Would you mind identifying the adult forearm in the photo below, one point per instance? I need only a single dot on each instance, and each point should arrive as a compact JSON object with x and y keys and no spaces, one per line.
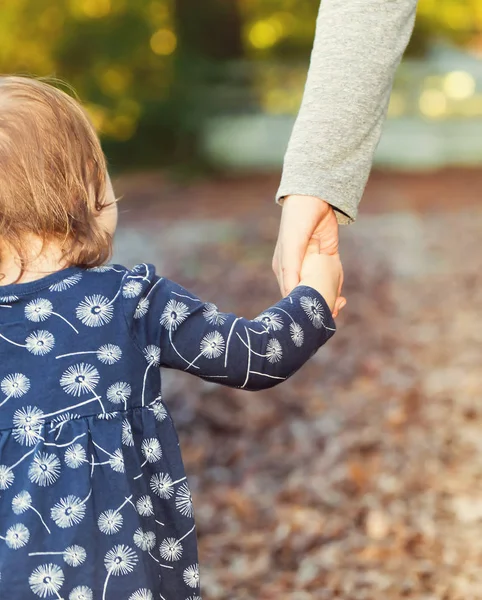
{"x":357,"y":49}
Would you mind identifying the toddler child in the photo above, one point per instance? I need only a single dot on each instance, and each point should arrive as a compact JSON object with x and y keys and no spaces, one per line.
{"x":94,"y":502}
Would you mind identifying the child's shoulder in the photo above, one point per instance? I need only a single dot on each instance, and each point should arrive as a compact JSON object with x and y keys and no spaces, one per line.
{"x":129,"y":282}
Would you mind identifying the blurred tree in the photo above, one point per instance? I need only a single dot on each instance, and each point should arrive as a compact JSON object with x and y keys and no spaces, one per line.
{"x":152,"y":71}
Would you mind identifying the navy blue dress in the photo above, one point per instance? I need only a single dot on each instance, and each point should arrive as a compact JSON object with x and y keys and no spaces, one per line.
{"x":94,"y":502}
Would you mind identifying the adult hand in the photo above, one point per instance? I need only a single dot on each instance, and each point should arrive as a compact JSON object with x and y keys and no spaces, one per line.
{"x":304,"y":219}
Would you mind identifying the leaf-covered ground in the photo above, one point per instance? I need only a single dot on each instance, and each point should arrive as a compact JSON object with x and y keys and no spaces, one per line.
{"x":361,"y":477}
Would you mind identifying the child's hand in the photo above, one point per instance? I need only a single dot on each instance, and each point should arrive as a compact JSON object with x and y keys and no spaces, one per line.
{"x":324,"y":273}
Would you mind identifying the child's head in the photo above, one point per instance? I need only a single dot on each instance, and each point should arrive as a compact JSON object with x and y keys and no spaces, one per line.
{"x":53,"y":177}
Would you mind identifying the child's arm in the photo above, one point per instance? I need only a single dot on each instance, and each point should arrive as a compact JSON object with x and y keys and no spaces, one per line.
{"x":195,"y":337}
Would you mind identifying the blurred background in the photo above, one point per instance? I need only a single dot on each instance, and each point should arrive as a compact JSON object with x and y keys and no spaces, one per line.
{"x":360,"y":478}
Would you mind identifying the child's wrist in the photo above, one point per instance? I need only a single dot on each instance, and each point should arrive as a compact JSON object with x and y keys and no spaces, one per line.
{"x":328,"y":297}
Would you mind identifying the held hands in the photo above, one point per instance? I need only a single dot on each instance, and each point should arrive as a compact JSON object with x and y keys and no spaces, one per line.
{"x":324,"y":273}
{"x":308,"y":229}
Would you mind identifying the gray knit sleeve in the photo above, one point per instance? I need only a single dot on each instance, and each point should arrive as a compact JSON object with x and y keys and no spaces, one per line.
{"x":357,"y":49}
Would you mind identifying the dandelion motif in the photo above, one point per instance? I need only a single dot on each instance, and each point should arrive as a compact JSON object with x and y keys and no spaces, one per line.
{"x":174,"y":314}
{"x":120,"y":560}
{"x":17,"y":536}
{"x":21,"y":502}
{"x":66,"y":283}
{"x":109,"y":354}
{"x":127,"y":437}
{"x":8,"y":299}
{"x":39,"y":310}
{"x":110,"y":522}
{"x":274,"y":351}
{"x":144,"y":506}
{"x":95,"y":311}
{"x":6,"y":477}
{"x":170,"y":549}
{"x":153,"y":355}
{"x":75,"y":456}
{"x":101,"y":269}
{"x":145,"y":540}
{"x":184,"y":500}
{"x":68,"y":511}
{"x":159,"y":410}
{"x":271,"y":320}
{"x":151,"y":449}
{"x":119,"y":393}
{"x":75,"y":555}
{"x":142,"y":594}
{"x":161,"y":484}
{"x":40,"y":342}
{"x":194,"y":598}
{"x":44,"y":469}
{"x":81,"y":592}
{"x":297,"y":334}
{"x":142,"y":308}
{"x":80,"y":379}
{"x":116,"y":461}
{"x":314,"y":309}
{"x":132,"y":289}
{"x":46,"y":580}
{"x":27,"y":422}
{"x":15,"y":385}
{"x":212,"y":315}
{"x":191,"y":576}
{"x":212,"y":345}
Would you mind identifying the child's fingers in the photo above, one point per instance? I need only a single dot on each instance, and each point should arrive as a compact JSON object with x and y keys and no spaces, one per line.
{"x":339,"y":305}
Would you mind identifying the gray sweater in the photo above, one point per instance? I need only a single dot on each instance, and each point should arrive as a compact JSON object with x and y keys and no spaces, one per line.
{"x":357,"y":49}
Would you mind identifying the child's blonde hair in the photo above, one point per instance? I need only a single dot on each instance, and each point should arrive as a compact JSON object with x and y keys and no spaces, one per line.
{"x":52,"y":173}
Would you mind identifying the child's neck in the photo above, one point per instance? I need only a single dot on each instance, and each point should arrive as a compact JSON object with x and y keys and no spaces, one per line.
{"x":42,"y":259}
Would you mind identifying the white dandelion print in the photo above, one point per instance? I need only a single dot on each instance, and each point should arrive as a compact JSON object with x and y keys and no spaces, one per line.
{"x":108,"y":354}
{"x":69,"y":511}
{"x":121,"y":560}
{"x":132,"y":289}
{"x":81,"y":592}
{"x":27,"y":425}
{"x":142,"y":594}
{"x":110,"y":521}
{"x":212,"y":315}
{"x":174,"y":314}
{"x":95,"y":311}
{"x":7,"y":477}
{"x":153,"y":355}
{"x":142,"y":308}
{"x":22,"y":502}
{"x":41,"y":309}
{"x":170,"y":549}
{"x":184,"y":500}
{"x":127,"y":437}
{"x":65,"y":284}
{"x":274,"y":351}
{"x":297,"y":334}
{"x":212,"y":345}
{"x":40,"y":343}
{"x":191,"y":576}
{"x":119,"y":393}
{"x":145,"y":507}
{"x":144,"y":540}
{"x":159,"y":410}
{"x":46,"y":580}
{"x":271,"y":320}
{"x":80,"y":379}
{"x":15,"y":385}
{"x":314,"y":309}
{"x":75,"y":456}
{"x":151,"y":449}
{"x":74,"y":555}
{"x":16,"y":537}
{"x":162,"y":485}
{"x":44,"y":469}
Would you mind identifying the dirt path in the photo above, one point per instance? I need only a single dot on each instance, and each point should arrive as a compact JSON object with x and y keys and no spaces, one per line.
{"x":361,"y":478}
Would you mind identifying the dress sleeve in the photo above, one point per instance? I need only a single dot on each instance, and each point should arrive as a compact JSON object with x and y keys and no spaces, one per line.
{"x":175,"y":329}
{"x":357,"y":49}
